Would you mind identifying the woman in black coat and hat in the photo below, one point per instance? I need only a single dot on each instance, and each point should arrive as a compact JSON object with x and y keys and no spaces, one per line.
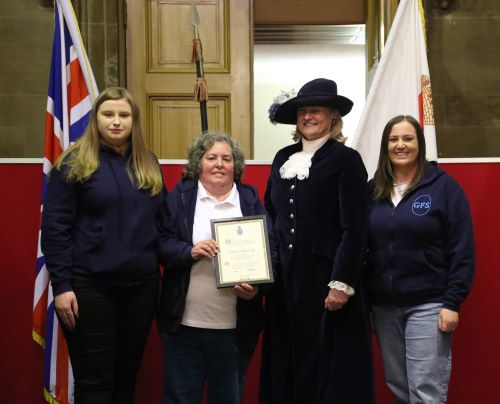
{"x":317,"y":345}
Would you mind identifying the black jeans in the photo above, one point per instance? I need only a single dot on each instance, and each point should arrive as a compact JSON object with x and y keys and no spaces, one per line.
{"x":108,"y":342}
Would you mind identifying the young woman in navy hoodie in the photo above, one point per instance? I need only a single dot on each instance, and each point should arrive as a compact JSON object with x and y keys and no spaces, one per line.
{"x":103,"y":219}
{"x":420,"y":263}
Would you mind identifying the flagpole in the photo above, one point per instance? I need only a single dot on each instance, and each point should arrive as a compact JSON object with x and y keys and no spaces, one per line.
{"x":200,"y":90}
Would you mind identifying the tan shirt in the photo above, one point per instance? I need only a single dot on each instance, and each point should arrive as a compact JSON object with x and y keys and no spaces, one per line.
{"x":207,"y":306}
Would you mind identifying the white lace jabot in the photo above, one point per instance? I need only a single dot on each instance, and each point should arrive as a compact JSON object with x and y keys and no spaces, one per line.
{"x":298,"y":163}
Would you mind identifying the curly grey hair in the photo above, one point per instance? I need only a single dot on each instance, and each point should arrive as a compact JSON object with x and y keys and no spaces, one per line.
{"x":204,"y":143}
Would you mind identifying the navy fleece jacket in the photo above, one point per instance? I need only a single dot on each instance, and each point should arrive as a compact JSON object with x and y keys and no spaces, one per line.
{"x":181,"y":204}
{"x":422,"y":250}
{"x":103,"y":229}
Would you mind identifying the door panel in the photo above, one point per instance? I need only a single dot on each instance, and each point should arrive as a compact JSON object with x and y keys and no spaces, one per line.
{"x":162,"y":77}
{"x":180,"y":114}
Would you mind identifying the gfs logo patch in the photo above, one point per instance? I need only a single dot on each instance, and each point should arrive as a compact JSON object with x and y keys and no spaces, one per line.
{"x":421,"y":205}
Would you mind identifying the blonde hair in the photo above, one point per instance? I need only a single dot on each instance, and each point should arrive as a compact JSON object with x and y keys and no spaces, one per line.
{"x":335,"y":129}
{"x":82,"y":158}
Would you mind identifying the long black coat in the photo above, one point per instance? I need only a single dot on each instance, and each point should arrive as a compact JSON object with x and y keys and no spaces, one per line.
{"x":310,"y":354}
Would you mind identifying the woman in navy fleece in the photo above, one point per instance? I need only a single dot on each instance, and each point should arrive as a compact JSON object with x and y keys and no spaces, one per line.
{"x":420,"y":263}
{"x":208,"y":334}
{"x":103,"y":218}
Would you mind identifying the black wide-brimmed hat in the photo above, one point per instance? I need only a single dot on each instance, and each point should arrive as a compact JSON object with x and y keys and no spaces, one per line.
{"x":318,"y":92}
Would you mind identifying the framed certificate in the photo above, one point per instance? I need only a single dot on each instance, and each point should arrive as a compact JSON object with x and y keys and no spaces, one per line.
{"x":244,"y":255}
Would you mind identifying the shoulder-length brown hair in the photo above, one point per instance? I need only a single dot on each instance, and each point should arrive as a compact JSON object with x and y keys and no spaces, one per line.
{"x":384,"y":176}
{"x":82,"y":158}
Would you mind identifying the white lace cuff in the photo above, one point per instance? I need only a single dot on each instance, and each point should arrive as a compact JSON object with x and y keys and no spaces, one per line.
{"x":342,"y":286}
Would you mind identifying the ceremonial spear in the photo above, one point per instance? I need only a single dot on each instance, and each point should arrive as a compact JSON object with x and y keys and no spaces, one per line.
{"x":200,"y":90}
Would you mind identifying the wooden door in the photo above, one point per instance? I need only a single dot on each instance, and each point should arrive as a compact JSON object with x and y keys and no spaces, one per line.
{"x":162,"y":77}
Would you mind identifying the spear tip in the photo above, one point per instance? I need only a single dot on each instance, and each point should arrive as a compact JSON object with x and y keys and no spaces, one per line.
{"x":194,"y":17}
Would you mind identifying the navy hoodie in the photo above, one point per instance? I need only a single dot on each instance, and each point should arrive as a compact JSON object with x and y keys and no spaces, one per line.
{"x":422,"y":250}
{"x":103,"y":229}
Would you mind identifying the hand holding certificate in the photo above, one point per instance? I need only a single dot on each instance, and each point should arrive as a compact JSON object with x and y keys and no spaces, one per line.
{"x":243,"y":255}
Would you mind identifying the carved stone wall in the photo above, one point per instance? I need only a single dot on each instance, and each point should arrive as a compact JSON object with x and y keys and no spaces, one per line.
{"x":462,"y":50}
{"x":26,"y":34}
{"x":25,"y":48}
{"x":463,"y":60}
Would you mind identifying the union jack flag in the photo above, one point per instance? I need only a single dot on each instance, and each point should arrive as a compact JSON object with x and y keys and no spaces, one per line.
{"x":72,"y":90}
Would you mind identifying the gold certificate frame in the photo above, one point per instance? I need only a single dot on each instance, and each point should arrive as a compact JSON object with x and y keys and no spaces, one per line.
{"x":243,"y":255}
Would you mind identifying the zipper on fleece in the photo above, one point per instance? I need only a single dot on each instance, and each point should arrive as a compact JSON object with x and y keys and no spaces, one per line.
{"x":391,"y":247}
{"x":184,"y":206}
{"x":190,"y":236}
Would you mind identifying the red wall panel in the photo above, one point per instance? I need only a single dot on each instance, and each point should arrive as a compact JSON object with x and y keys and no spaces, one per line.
{"x":475,"y":353}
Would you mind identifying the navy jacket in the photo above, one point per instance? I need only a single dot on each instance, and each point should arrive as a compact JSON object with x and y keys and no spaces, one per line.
{"x":104,"y":229}
{"x":181,"y":204}
{"x":423,"y":249}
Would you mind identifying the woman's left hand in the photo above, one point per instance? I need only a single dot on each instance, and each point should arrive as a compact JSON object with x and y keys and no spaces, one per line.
{"x":335,"y":300}
{"x":246,"y":291}
{"x":448,"y":320}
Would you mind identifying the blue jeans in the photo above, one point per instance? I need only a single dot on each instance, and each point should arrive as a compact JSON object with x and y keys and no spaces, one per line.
{"x":195,"y":356}
{"x":416,"y":355}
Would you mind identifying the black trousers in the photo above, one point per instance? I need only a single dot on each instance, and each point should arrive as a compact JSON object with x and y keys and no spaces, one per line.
{"x":108,"y":342}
